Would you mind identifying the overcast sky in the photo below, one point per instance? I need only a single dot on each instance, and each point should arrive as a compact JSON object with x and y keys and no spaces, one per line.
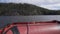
{"x":50,"y":4}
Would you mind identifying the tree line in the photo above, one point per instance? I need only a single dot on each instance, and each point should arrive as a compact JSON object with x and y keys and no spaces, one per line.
{"x":13,"y":9}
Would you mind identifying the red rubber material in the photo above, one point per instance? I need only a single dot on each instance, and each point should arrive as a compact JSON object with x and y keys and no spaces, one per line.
{"x":36,"y":28}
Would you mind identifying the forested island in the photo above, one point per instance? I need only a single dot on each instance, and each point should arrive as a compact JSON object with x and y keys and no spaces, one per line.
{"x":14,"y":9}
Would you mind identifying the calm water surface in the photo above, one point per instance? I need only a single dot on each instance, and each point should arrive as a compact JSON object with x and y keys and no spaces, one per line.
{"x":9,"y":19}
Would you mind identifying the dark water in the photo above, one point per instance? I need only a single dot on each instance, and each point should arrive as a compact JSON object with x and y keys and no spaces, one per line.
{"x":10,"y":19}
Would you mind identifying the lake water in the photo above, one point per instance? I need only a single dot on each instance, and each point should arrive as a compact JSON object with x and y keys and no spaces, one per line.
{"x":10,"y":19}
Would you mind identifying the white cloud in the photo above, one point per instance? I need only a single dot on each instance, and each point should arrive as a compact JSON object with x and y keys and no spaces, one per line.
{"x":52,"y":6}
{"x":33,"y":1}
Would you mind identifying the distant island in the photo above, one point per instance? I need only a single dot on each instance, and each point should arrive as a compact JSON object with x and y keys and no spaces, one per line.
{"x":13,"y":9}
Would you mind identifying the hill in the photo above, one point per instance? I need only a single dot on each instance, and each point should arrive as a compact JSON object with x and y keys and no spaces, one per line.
{"x":12,"y":9}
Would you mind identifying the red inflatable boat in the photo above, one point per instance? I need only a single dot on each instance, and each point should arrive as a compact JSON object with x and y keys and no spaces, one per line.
{"x":49,"y":27}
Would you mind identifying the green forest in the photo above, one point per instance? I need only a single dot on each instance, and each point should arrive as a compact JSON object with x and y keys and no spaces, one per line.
{"x":14,"y":9}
